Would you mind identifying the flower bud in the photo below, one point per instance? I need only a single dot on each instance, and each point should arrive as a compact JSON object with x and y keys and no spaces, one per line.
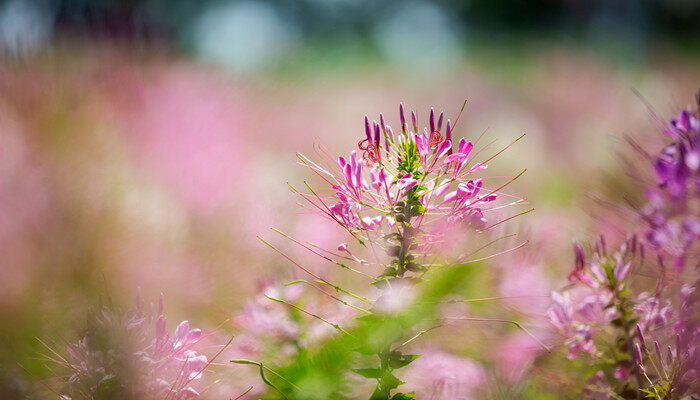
{"x":368,"y":131}
{"x":640,"y":335}
{"x":579,"y":258}
{"x":638,"y":356}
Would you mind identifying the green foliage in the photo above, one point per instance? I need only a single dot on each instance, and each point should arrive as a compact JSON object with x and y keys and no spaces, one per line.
{"x":410,"y":161}
{"x":402,"y":396}
{"x":372,"y":348}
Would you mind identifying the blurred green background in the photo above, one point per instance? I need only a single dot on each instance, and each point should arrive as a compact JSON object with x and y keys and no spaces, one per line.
{"x":144,"y":144}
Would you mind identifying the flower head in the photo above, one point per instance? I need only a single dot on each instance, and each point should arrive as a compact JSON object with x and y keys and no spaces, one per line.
{"x":672,"y":211}
{"x":407,"y":192}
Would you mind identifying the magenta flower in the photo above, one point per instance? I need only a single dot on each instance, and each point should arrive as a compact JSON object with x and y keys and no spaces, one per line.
{"x":621,"y":373}
{"x":460,"y":158}
{"x":415,"y":206}
{"x":417,"y":187}
{"x":672,"y":214}
{"x":406,"y":183}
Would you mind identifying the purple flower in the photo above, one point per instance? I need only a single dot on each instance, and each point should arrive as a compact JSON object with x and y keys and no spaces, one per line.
{"x":671,"y":212}
{"x":561,"y":313}
{"x":621,"y":270}
{"x":652,"y":313}
{"x":638,"y":356}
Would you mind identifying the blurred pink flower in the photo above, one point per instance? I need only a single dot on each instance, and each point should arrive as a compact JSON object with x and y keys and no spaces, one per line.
{"x":516,"y":354}
{"x":262,"y":318}
{"x":395,"y":297}
{"x":526,"y":284}
{"x":441,"y":376}
{"x":24,"y":208}
{"x":189,"y":130}
{"x":653,"y":313}
{"x":578,"y":336}
{"x":133,"y":355}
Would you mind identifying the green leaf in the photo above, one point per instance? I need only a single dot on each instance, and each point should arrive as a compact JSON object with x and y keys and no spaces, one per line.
{"x":378,"y":395}
{"x":390,"y":236}
{"x":372,"y":373}
{"x":398,"y":360}
{"x":403,"y":396}
{"x":389,"y":381}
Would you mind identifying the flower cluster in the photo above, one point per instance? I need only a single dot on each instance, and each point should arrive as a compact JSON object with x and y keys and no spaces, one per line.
{"x":406,"y":198}
{"x":673,"y":210}
{"x":133,"y":356}
{"x":407,"y":192}
{"x":601,"y":289}
{"x":270,"y":330}
{"x":616,"y":312}
{"x":672,"y":373}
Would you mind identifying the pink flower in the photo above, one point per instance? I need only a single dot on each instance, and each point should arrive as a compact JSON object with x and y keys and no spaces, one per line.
{"x":561,"y":313}
{"x":581,"y":341}
{"x":436,"y":375}
{"x":379,"y":180}
{"x":395,"y":298}
{"x":140,"y":355}
{"x":352,"y":171}
{"x":371,"y":223}
{"x":578,"y":335}
{"x":621,"y":373}
{"x":653,"y":314}
{"x":260,"y":317}
{"x":515,"y":355}
{"x":460,"y":157}
{"x":406,"y":183}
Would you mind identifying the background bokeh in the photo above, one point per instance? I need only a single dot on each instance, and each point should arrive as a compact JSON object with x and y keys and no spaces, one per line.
{"x":145,"y":143}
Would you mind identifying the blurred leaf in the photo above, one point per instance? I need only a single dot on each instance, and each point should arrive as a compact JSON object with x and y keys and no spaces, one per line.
{"x":398,"y":360}
{"x":375,"y":373}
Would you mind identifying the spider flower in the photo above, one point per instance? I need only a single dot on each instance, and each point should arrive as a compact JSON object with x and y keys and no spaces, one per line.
{"x":673,"y":373}
{"x":407,"y":193}
{"x":406,"y":200}
{"x":601,"y":287}
{"x":673,"y":211}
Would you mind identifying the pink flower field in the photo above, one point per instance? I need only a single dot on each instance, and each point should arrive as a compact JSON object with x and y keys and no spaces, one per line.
{"x":311,"y":200}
